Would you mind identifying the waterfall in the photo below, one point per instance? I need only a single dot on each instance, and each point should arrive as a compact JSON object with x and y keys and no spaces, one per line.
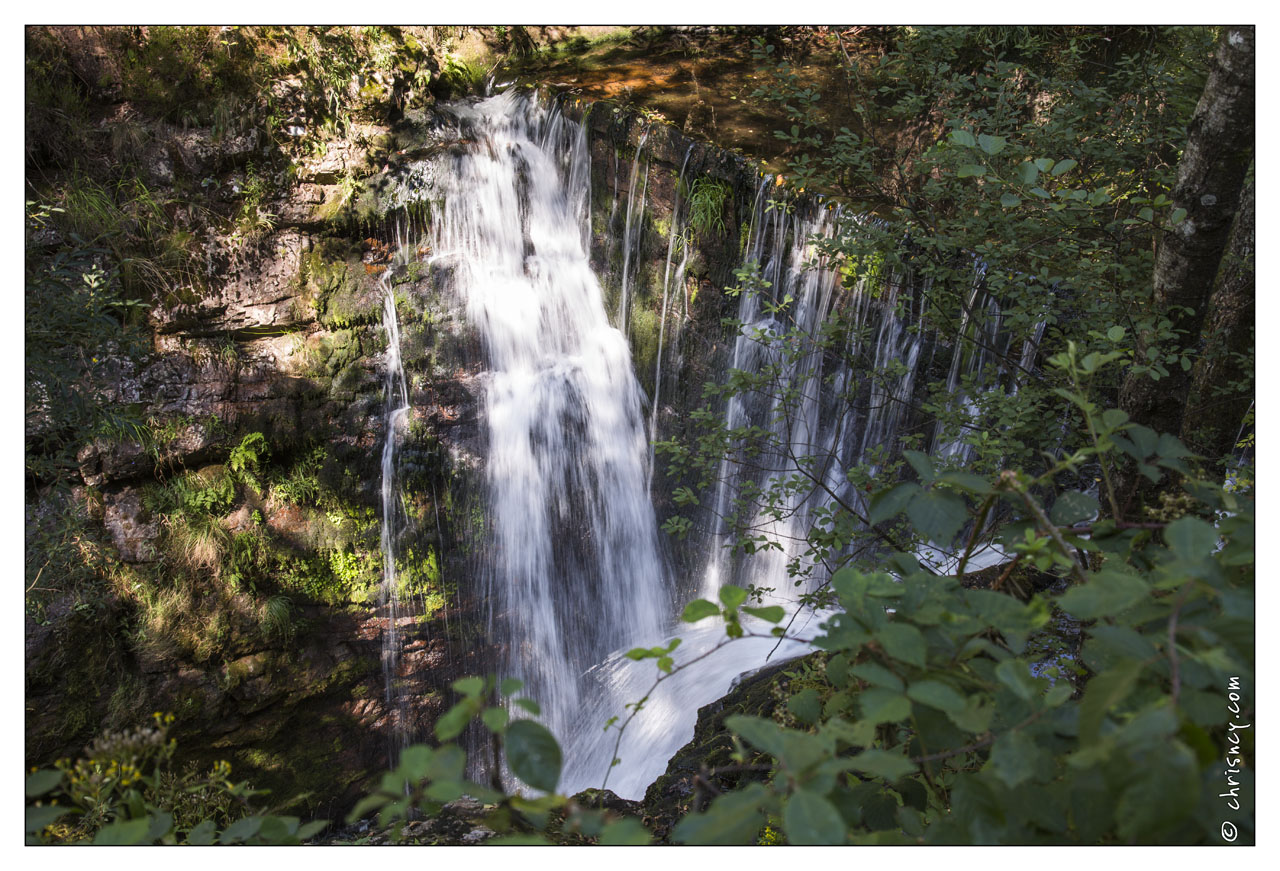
{"x":666,"y":286}
{"x":820,"y":414}
{"x":395,"y":413}
{"x":571,"y":567}
{"x":570,"y":573}
{"x":628,"y":242}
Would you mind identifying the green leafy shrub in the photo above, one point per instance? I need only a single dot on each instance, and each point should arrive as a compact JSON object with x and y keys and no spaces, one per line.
{"x":123,"y":791}
{"x":707,"y":199}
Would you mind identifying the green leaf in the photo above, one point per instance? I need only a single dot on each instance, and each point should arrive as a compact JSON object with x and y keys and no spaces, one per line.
{"x":904,"y":563}
{"x":1016,"y":675}
{"x":796,"y":751}
{"x":1063,"y":166}
{"x":884,"y":706}
{"x":42,"y":781}
{"x":1009,"y":201}
{"x":414,"y":762}
{"x":806,"y":706}
{"x":699,"y":609}
{"x":311,"y":829}
{"x":1191,"y":538}
{"x":1014,"y":758}
{"x":366,"y":804}
{"x":1107,"y":594}
{"x":883,"y":763}
{"x":937,"y":515}
{"x":991,"y":144}
{"x":39,"y":817}
{"x":125,"y":833}
{"x":1150,"y":727}
{"x":810,"y":819}
{"x":903,"y":641}
{"x":976,"y":716}
{"x":764,"y":734}
{"x":1072,"y":507}
{"x":889,"y":503}
{"x":510,"y":685}
{"x":469,"y":686}
{"x":1044,"y":164}
{"x":276,"y":830}
{"x":444,"y":791}
{"x":770,"y":613}
{"x":877,"y":675}
{"x":1109,"y":645}
{"x":1144,"y":439}
{"x":1027,"y":173}
{"x":453,"y":721}
{"x":530,"y":705}
{"x":203,"y":834}
{"x":241,"y":830}
{"x":1177,"y":216}
{"x":837,"y":670}
{"x":923,"y":465}
{"x":1114,"y":418}
{"x":626,"y":832}
{"x":1103,"y":694}
{"x":495,"y":719}
{"x":533,"y":754}
{"x":1162,"y":794}
{"x":1115,"y":333}
{"x":937,"y":694}
{"x":733,"y":818}
{"x":970,"y":170}
{"x":963,"y":137}
{"x":966,"y":481}
{"x":732,"y":596}
{"x":859,"y":734}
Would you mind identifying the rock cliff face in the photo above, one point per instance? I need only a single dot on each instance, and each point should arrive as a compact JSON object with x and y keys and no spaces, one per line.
{"x":281,"y":337}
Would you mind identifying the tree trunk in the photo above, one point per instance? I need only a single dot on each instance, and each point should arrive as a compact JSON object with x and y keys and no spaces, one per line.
{"x":1217,"y":403}
{"x":1210,"y":176}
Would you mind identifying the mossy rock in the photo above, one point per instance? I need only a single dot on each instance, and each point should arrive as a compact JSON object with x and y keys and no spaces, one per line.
{"x":339,"y":350}
{"x":343,"y":293}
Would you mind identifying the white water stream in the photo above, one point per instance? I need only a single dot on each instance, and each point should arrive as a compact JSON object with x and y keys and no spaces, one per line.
{"x":571,"y":567}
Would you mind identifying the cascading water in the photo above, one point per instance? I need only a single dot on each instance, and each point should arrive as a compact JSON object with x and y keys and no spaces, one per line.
{"x":396,"y":411}
{"x":571,"y":561}
{"x":818,"y":415}
{"x":571,"y":571}
{"x":675,"y":233}
{"x":628,"y":236}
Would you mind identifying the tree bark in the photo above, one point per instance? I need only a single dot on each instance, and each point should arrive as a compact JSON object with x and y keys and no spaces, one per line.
{"x":1216,"y":405}
{"x":1210,"y":176}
